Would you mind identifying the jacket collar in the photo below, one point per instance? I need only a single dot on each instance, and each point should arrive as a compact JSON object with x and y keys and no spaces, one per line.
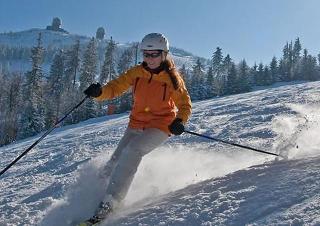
{"x":153,"y":71}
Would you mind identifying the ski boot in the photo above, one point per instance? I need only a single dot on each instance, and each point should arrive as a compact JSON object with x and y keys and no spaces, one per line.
{"x":104,"y":210}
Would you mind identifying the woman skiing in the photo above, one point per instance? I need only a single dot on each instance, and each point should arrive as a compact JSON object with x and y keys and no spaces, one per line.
{"x":161,"y":107}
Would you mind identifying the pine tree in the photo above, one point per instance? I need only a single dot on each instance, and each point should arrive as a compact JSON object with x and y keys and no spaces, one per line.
{"x":296,"y":50}
{"x":32,"y":119}
{"x":183,"y":72}
{"x":243,"y":77}
{"x":216,"y":61}
{"x":3,"y":91}
{"x":309,"y":64}
{"x":124,"y":64}
{"x":55,"y":87}
{"x":260,"y":75}
{"x":197,"y":87}
{"x":3,"y":85}
{"x":253,"y":78}
{"x":282,"y":71}
{"x":226,"y":67}
{"x":267,"y":76}
{"x":274,"y":70}
{"x":70,"y":85}
{"x":218,"y":72}
{"x":12,"y":109}
{"x":227,"y":63}
{"x":287,"y":63}
{"x":210,"y":83}
{"x":125,"y":61}
{"x":88,"y":73}
{"x":232,"y":80}
{"x":186,"y":76}
{"x":296,"y":60}
{"x":72,"y":65}
{"x":108,"y":72}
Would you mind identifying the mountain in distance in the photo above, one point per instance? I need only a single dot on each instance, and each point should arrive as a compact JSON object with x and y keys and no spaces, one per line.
{"x":54,"y":40}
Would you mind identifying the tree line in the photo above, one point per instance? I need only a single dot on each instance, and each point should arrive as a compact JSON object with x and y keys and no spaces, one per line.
{"x":32,"y":102}
{"x":224,"y":77}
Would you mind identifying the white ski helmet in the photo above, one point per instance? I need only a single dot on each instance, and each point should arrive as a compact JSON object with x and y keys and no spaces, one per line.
{"x":155,"y":41}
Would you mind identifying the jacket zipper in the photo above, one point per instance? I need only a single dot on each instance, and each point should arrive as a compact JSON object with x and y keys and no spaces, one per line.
{"x":135,"y":85}
{"x":164,"y":93}
{"x":150,"y":78}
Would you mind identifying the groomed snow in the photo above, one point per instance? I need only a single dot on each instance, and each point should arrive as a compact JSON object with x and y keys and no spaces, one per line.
{"x":187,"y":181}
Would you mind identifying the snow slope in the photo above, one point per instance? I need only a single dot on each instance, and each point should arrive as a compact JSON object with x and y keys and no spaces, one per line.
{"x":188,"y":180}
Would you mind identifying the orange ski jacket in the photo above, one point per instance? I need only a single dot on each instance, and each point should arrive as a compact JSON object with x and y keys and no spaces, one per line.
{"x":156,"y":102}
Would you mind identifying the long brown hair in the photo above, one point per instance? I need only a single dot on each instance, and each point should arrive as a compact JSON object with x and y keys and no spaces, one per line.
{"x":174,"y":74}
{"x":169,"y":66}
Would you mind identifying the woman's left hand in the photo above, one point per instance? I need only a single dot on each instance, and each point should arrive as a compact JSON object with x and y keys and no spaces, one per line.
{"x":176,"y":127}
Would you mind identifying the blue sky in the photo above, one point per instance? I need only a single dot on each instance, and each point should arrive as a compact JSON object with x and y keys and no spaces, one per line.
{"x":255,"y":30}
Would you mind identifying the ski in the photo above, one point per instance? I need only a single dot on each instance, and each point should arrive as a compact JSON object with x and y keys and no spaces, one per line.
{"x":101,"y":215}
{"x":90,"y":222}
{"x":87,"y":223}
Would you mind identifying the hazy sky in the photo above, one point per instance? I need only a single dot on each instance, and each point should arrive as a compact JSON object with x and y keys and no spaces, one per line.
{"x":252,"y":29}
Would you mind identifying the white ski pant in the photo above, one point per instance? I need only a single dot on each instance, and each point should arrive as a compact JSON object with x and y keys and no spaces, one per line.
{"x":125,"y":160}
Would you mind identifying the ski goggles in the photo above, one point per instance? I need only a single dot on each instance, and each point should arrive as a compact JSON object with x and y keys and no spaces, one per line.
{"x":152,"y":55}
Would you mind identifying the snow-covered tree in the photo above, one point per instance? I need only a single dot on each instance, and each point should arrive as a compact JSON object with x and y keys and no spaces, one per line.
{"x":70,"y":95}
{"x":227,"y":63}
{"x":218,"y":71}
{"x":108,"y":68}
{"x":309,"y":64}
{"x":216,"y":62}
{"x":198,"y":87}
{"x":55,"y":88}
{"x":253,"y":75}
{"x":3,"y":91}
{"x":243,"y":77}
{"x":88,"y":73}
{"x":260,"y":75}
{"x":12,"y":108}
{"x":184,"y":72}
{"x":32,"y":119}
{"x":267,"y":76}
{"x":88,"y":69}
{"x":72,"y":58}
{"x":231,"y":85}
{"x":296,"y":60}
{"x":274,"y":70}
{"x":210,"y":82}
{"x":125,"y":61}
{"x":287,"y":63}
{"x":296,"y":51}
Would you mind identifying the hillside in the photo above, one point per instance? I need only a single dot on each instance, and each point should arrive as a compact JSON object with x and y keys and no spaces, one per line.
{"x":53,"y":40}
{"x":187,"y":181}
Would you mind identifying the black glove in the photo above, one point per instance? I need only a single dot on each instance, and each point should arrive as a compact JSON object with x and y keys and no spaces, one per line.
{"x":176,"y":127}
{"x":94,"y":90}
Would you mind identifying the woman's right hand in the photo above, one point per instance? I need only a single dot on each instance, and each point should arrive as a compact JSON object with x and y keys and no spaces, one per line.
{"x":94,"y":90}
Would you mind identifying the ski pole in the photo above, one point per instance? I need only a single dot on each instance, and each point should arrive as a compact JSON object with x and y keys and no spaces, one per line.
{"x":227,"y":142}
{"x":42,"y":137}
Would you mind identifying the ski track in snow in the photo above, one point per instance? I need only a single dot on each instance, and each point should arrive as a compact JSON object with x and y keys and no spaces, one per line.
{"x":187,"y":181}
